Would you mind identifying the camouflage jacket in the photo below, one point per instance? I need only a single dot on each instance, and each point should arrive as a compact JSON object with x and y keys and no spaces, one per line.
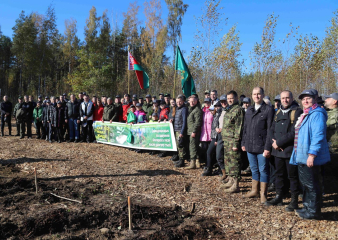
{"x":195,"y":119}
{"x":332,"y":129}
{"x":232,"y":126}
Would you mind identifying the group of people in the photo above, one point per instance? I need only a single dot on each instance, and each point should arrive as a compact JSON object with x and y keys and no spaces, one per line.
{"x":290,"y":144}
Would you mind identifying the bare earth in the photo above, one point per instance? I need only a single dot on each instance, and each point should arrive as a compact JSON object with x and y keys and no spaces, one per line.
{"x":102,"y":176}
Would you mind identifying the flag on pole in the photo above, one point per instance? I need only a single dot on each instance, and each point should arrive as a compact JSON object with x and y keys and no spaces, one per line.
{"x":141,"y":75}
{"x":188,"y":85}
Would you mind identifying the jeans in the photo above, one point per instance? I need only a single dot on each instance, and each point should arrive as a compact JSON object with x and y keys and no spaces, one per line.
{"x":259,"y":167}
{"x":73,"y":128}
{"x":220,"y":154}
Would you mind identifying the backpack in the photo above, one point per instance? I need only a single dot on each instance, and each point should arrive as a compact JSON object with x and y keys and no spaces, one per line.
{"x":20,"y":114}
{"x":292,"y":117}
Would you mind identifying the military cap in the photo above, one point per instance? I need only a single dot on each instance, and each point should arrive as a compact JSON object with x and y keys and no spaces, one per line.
{"x":246,"y":100}
{"x":126,"y":95}
{"x":140,"y":98}
{"x":19,"y":97}
{"x":161,"y":94}
{"x":134,"y":95}
{"x":207,"y":92}
{"x":167,"y":95}
{"x":310,"y":92}
{"x":134,"y":99}
{"x":332,"y":95}
{"x":223,"y":98}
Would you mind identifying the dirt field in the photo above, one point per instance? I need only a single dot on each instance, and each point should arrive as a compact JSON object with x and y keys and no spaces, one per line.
{"x":102,"y":176}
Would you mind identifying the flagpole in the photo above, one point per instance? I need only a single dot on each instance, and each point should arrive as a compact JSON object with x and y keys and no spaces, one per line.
{"x":174,"y":83}
{"x":128,"y":68}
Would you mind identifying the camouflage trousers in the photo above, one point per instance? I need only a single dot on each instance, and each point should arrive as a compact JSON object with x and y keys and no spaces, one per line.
{"x":232,"y":161}
{"x":181,"y":151}
{"x":193,"y":146}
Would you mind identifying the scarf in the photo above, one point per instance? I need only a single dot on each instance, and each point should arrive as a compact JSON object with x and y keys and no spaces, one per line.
{"x":299,"y":123}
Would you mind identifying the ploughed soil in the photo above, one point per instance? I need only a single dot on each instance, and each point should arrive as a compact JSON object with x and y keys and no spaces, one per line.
{"x":166,"y":203}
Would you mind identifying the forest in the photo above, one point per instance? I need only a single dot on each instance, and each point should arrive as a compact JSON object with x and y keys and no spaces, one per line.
{"x":40,"y":60}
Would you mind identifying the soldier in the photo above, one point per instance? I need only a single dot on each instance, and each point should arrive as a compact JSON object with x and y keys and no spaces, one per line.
{"x":147,"y":106}
{"x":331,"y":104}
{"x":180,"y":127}
{"x":231,"y":136}
{"x":16,"y":108}
{"x":110,"y":112}
{"x":194,"y":123}
{"x":6,"y":112}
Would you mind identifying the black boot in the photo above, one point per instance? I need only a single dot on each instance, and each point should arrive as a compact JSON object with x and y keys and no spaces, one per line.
{"x":174,"y":158}
{"x":271,"y":187}
{"x":180,"y":163}
{"x":293,"y":204}
{"x":277,"y":201}
{"x":162,"y":154}
{"x":207,"y":172}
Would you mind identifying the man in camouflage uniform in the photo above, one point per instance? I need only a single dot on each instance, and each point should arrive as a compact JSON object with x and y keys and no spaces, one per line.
{"x":16,"y":108}
{"x":194,"y":122}
{"x":331,"y":104}
{"x":231,"y":136}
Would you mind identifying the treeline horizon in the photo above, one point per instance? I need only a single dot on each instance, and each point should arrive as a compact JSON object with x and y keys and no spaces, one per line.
{"x":38,"y":59}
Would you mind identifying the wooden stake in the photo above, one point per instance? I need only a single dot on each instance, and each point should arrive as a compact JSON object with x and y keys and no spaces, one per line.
{"x":36,"y":181}
{"x":72,"y":200}
{"x":129,"y":213}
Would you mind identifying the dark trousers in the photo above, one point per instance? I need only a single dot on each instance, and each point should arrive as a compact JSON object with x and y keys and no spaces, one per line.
{"x":46,"y":131}
{"x":88,"y":131}
{"x":59,"y":133}
{"x":23,"y":125}
{"x":8,"y":120}
{"x":220,"y":154}
{"x":272,"y":170}
{"x":286,"y":174}
{"x":17,"y":128}
{"x":51,"y":132}
{"x":203,"y":151}
{"x":311,"y":181}
{"x":39,"y":129}
{"x":211,"y":153}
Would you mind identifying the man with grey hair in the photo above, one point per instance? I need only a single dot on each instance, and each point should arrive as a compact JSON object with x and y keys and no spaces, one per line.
{"x":214,"y":99}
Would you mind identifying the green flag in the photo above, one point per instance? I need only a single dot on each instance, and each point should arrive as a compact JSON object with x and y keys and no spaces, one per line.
{"x":188,"y":85}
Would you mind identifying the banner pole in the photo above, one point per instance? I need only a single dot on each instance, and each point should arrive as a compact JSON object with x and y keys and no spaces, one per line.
{"x":174,"y":83}
{"x":128,"y":68}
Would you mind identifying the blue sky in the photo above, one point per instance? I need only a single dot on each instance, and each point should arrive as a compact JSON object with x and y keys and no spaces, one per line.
{"x":312,"y":16}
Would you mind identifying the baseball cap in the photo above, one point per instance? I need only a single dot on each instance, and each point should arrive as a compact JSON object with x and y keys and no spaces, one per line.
{"x":277,"y":98}
{"x":332,"y":95}
{"x":310,"y":92}
{"x":223,"y":98}
{"x":207,"y":92}
{"x":246,"y":100}
{"x":161,"y":94}
{"x":207,"y":99}
{"x":138,"y":105}
{"x":148,"y":96}
{"x":117,"y":96}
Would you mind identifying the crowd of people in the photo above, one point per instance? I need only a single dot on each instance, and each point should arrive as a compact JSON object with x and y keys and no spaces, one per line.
{"x":284,"y":146}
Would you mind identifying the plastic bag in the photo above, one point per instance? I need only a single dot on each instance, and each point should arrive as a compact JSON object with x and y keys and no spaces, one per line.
{"x":130,"y":137}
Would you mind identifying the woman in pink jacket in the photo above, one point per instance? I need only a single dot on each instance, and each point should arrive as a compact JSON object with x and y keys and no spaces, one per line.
{"x":205,"y":138}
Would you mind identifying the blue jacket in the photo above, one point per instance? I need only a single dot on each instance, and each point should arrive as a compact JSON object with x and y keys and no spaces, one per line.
{"x":312,"y":139}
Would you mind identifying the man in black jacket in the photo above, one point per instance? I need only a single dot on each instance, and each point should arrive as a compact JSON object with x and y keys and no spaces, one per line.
{"x":73,"y":118}
{"x":6,"y":112}
{"x":282,"y":134}
{"x":28,"y":108}
{"x":256,"y":142}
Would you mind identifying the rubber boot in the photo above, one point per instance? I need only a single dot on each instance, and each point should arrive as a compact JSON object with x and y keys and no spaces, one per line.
{"x":229,"y":183}
{"x":207,"y":172}
{"x":180,"y":163}
{"x":264,"y":192}
{"x":224,"y":177}
{"x":198,"y":164}
{"x":277,"y":201}
{"x":254,"y":190}
{"x":293,"y":204}
{"x":235,"y":186}
{"x":192,"y":164}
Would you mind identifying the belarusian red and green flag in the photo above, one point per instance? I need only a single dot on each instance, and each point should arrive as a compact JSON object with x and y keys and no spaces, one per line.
{"x":141,"y":75}
{"x":188,"y":85}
